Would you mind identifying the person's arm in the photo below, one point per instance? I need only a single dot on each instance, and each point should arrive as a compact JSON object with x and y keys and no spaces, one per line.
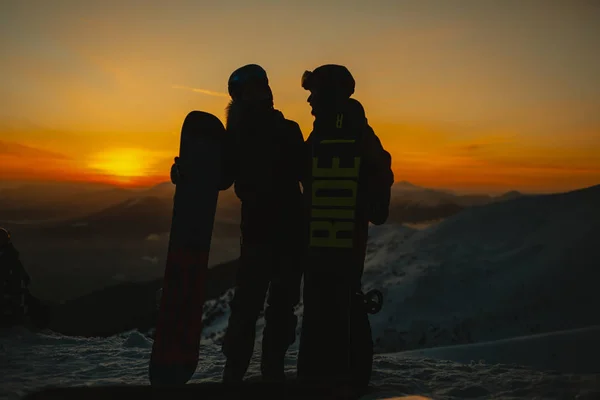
{"x":298,"y":149}
{"x":306,"y":164}
{"x":229,"y":161}
{"x":380,"y":177}
{"x":379,"y":159}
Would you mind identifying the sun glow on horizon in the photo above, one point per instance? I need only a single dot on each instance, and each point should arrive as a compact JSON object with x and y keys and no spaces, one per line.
{"x":122,"y":163}
{"x":490,"y":98}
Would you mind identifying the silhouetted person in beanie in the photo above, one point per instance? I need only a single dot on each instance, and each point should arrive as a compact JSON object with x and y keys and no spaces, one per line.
{"x":347,"y":181}
{"x":263,"y":159}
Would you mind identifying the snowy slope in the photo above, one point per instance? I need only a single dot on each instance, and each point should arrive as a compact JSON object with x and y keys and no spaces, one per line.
{"x":506,"y":269}
{"x":515,"y":268}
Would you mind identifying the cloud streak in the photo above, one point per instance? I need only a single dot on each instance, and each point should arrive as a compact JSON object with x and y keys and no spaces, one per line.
{"x":203,"y":91}
{"x":20,"y":150}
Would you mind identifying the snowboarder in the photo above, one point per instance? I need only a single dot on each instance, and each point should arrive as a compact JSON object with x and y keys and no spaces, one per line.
{"x":347,"y":182}
{"x":13,"y":282}
{"x":263,"y":153}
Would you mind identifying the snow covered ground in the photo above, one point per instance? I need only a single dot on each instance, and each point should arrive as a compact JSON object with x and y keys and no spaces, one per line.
{"x":30,"y":361}
{"x":490,"y":303}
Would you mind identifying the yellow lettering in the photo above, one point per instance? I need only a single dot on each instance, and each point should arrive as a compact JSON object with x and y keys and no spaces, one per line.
{"x":347,"y":201}
{"x":335,"y":171}
{"x":332,"y":229}
{"x":339,"y":120}
{"x":334,"y":191}
{"x":332,"y":213}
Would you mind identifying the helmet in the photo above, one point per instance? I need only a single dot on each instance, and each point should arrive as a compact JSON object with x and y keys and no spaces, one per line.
{"x":4,"y":237}
{"x":335,"y":79}
{"x":248,"y":73}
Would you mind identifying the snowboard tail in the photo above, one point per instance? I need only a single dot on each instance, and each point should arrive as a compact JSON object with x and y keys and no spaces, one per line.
{"x":175,"y":351}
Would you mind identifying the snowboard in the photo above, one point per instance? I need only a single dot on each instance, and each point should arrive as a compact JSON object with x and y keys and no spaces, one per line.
{"x":336,"y":339}
{"x":196,"y":175}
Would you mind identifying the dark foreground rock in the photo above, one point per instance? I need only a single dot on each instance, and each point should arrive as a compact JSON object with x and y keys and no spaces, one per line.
{"x":126,"y":306}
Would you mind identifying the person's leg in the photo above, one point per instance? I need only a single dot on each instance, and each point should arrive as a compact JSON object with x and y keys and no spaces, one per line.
{"x":280,"y":320}
{"x":247,"y":303}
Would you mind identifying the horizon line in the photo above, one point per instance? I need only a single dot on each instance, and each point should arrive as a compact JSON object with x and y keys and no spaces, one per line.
{"x":146,"y":185}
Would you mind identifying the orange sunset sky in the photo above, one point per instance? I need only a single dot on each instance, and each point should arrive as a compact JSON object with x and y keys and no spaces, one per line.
{"x":477,"y":96}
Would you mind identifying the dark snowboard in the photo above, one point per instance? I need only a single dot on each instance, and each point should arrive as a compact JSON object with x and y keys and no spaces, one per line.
{"x":335,"y":342}
{"x":197,"y":173}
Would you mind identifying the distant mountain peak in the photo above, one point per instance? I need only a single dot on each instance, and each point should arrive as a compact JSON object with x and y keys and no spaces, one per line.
{"x":162,"y":188}
{"x":510,"y":194}
{"x":407,"y":185}
{"x":162,"y":185}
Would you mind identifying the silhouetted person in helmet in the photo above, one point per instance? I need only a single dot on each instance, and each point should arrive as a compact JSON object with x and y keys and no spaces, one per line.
{"x":13,"y":282}
{"x":347,"y":182}
{"x":263,"y":158}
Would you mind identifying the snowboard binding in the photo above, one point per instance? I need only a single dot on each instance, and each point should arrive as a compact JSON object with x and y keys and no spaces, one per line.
{"x":373,"y":301}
